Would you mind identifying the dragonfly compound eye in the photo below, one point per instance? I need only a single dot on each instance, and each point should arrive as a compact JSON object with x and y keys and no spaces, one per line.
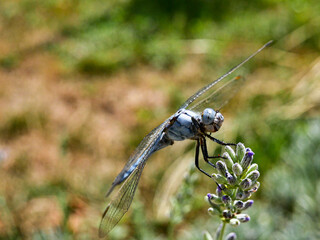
{"x":208,"y":116}
{"x":218,"y":120}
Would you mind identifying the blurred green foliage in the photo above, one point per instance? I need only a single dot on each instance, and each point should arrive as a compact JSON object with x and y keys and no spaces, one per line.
{"x":63,"y":160}
{"x":101,"y":38}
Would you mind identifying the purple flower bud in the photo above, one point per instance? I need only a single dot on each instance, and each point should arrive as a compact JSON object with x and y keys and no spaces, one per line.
{"x":213,"y":198}
{"x":231,"y":236}
{"x":250,"y":153}
{"x":226,"y":199}
{"x":246,"y":160}
{"x":243,"y":217}
{"x":245,"y":184}
{"x":247,"y":204}
{"x":238,"y":204}
{"x":222,"y":168}
{"x":231,"y":179}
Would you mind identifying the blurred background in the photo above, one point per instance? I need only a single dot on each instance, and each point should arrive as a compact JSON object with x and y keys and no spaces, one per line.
{"x":82,"y":82}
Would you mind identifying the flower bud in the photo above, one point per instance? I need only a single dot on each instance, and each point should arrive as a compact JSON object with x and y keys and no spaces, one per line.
{"x":219,"y":191}
{"x":247,"y":160}
{"x":231,"y":179}
{"x":226,"y":199}
{"x":231,"y":236}
{"x":253,"y":167}
{"x":228,"y":191}
{"x":245,"y":184}
{"x":218,"y":178}
{"x":231,"y":153}
{"x":227,"y":160}
{"x":234,"y":222}
{"x":243,"y":217}
{"x":237,"y":169}
{"x":247,"y":204}
{"x":240,"y":151}
{"x":254,"y":175}
{"x":238,"y":204}
{"x":254,"y":187}
{"x":227,"y":214}
{"x":242,"y":195}
{"x":214,"y":198}
{"x":213,"y":211}
{"x":222,"y":168}
{"x":236,"y":181}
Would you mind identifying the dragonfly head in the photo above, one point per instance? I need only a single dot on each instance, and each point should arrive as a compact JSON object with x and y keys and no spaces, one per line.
{"x":212,"y":120}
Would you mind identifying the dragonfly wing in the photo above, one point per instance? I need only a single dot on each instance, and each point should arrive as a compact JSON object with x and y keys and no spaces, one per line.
{"x":210,"y":85}
{"x":220,"y":96}
{"x":130,"y":175}
{"x":141,"y":153}
{"x":121,"y":203}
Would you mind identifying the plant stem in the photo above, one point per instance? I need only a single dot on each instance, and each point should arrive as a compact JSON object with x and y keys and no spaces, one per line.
{"x":222,"y":231}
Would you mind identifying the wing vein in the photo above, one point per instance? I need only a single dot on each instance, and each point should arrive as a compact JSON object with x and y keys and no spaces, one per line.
{"x":210,"y":85}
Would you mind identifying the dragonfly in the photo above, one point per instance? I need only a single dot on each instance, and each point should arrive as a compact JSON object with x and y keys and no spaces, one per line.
{"x":192,"y":121}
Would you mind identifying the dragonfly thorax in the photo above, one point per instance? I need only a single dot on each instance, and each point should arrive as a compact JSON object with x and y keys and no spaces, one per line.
{"x":212,"y":120}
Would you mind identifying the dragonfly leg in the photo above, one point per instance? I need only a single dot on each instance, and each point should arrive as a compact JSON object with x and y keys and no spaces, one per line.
{"x":197,"y":159}
{"x":219,"y":141}
{"x":206,"y":151}
{"x":197,"y":124}
{"x":203,"y":144}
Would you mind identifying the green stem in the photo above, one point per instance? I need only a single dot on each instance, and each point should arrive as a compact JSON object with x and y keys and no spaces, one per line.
{"x":222,"y":231}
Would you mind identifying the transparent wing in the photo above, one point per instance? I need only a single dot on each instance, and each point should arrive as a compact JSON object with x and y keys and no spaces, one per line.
{"x":210,"y":85}
{"x":219,"y":96}
{"x":120,"y":205}
{"x":141,"y":153}
{"x":130,"y":175}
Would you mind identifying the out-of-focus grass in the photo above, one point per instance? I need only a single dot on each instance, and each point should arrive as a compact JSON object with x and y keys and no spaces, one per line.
{"x":97,"y":38}
{"x":22,"y":123}
{"x":83,"y":81}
